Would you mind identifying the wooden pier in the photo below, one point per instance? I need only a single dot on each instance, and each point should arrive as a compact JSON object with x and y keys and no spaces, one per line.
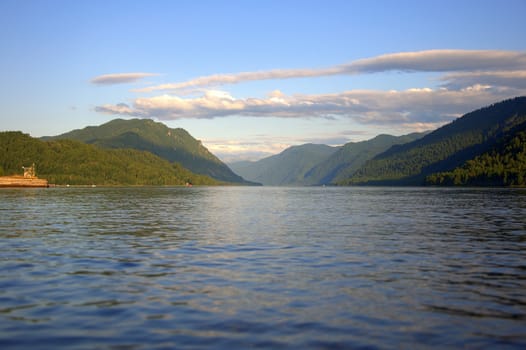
{"x":20,"y":181}
{"x":29,"y":179}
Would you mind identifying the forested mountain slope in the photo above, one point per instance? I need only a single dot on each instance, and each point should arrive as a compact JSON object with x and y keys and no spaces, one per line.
{"x":71,"y":162}
{"x":174,"y":145}
{"x":504,"y":165}
{"x":446,"y":148}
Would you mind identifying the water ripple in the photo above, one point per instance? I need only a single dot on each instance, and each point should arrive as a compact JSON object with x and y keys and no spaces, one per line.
{"x":162,"y":268}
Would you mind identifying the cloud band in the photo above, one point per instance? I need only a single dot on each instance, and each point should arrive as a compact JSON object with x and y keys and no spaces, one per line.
{"x":419,"y":61}
{"x":472,"y":78}
{"x":120,"y":78}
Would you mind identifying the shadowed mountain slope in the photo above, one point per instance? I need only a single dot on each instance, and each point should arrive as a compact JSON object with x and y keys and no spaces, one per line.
{"x":174,"y":145}
{"x":351,"y":156}
{"x":286,"y":168}
{"x":446,"y":148}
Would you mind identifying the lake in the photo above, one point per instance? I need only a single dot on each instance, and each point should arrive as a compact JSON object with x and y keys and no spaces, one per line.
{"x":262,"y":267}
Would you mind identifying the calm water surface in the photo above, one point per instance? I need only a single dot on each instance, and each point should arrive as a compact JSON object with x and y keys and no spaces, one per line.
{"x":238,"y":267}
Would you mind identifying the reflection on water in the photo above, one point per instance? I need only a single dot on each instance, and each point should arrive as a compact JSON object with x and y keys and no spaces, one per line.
{"x":239,"y":267}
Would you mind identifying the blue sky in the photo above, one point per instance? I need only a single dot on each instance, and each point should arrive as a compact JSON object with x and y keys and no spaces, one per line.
{"x":250,"y":78}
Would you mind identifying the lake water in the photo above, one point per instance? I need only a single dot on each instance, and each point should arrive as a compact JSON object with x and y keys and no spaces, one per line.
{"x":246,"y":267}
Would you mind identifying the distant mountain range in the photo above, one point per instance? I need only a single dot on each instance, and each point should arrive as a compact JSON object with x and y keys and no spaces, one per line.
{"x":174,"y":145}
{"x":287,"y":168}
{"x":311,"y":164}
{"x":351,"y":156}
{"x":484,"y":147}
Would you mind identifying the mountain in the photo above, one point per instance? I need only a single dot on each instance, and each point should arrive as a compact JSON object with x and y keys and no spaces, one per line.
{"x":448,"y":147}
{"x":504,"y":165}
{"x":71,"y":162}
{"x":351,"y":156}
{"x":174,"y":145}
{"x":287,"y":168}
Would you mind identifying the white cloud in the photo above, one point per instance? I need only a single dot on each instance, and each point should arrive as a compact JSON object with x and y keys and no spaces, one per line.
{"x":235,"y":78}
{"x":365,"y":106}
{"x":120,"y":78}
{"x":121,"y":108}
{"x":440,"y":61}
{"x":420,"y":90}
{"x":466,"y":86}
{"x":418,"y":61}
{"x":256,"y":147}
{"x":507,"y":79}
{"x":419,"y":127}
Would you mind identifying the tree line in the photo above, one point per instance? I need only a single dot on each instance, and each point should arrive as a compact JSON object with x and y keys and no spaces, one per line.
{"x":503,"y":166}
{"x":64,"y":162}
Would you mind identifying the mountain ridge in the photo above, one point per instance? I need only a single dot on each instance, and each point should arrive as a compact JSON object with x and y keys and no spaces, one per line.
{"x":70,"y":162}
{"x":452,"y":154}
{"x":317,"y":164}
{"x":352,"y":156}
{"x":445,"y":148}
{"x":285,"y":168}
{"x":172,"y":144}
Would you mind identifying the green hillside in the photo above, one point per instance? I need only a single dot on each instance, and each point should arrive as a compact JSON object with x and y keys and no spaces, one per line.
{"x":174,"y":145}
{"x":287,"y":168}
{"x":445,"y":149}
{"x":505,"y":165}
{"x":71,"y":162}
{"x":350,"y":157}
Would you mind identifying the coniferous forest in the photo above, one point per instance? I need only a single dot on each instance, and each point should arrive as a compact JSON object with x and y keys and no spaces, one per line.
{"x":483,"y":147}
{"x":503,"y":166}
{"x":64,"y":162}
